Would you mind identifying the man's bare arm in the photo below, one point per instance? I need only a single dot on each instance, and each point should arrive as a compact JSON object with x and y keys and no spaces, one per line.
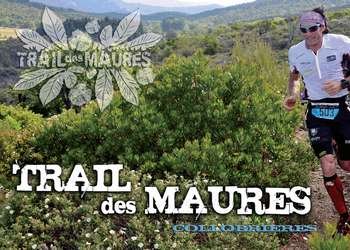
{"x":293,"y":83}
{"x":293,"y":90}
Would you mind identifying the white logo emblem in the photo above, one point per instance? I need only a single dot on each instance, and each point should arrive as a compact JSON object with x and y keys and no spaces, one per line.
{"x":81,"y":64}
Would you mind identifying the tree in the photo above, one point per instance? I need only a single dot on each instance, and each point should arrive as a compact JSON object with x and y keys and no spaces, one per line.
{"x":173,"y":24}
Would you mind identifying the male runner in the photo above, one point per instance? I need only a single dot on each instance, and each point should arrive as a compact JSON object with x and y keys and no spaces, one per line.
{"x":318,"y":60}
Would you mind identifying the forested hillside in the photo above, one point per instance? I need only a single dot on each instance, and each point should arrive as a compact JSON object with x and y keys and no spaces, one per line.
{"x":262,"y":9}
{"x":22,"y":13}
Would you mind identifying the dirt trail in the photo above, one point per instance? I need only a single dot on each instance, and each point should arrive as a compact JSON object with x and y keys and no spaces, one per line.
{"x":322,"y":207}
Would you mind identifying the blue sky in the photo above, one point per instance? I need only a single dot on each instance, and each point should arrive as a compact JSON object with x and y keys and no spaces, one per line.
{"x":188,"y":2}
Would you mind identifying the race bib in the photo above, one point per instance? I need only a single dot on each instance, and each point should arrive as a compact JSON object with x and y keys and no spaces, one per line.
{"x":327,"y":111}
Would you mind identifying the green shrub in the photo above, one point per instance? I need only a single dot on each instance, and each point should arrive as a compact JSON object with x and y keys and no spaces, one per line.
{"x":196,"y":122}
{"x":210,"y":45}
{"x":193,"y":119}
{"x":327,"y":241}
{"x":64,"y":221}
{"x":18,"y":127}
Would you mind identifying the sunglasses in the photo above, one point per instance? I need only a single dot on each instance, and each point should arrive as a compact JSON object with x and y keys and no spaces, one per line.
{"x":310,"y":29}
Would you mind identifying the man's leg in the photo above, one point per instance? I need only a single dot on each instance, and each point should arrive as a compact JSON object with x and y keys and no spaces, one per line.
{"x":334,"y":188}
{"x":321,"y":142}
{"x":343,"y":146}
{"x":333,"y":184}
{"x":342,"y":138}
{"x":345,"y":165}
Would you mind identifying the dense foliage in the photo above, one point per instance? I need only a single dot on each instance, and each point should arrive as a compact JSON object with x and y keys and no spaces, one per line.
{"x":327,"y":240}
{"x":205,"y":117}
{"x":212,"y":117}
{"x":196,"y":125}
{"x":18,"y":127}
{"x":25,"y":14}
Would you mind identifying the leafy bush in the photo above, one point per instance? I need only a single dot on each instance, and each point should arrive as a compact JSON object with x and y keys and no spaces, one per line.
{"x":18,"y":127}
{"x":195,"y":123}
{"x":64,"y":221}
{"x":193,"y":119}
{"x":327,"y":241}
{"x":210,"y":45}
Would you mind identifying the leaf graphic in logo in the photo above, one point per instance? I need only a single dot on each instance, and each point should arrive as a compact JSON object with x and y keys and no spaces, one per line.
{"x":103,"y":89}
{"x":54,"y":28}
{"x":144,"y":41}
{"x":127,"y":85}
{"x":31,"y":79}
{"x":92,"y":27}
{"x":96,"y":46}
{"x":69,"y":78}
{"x":77,"y":69}
{"x":106,"y":36}
{"x":51,"y":89}
{"x":80,"y":95}
{"x":127,"y":27}
{"x":145,"y":76}
{"x":91,"y":73}
{"x":32,"y":39}
{"x":80,"y":41}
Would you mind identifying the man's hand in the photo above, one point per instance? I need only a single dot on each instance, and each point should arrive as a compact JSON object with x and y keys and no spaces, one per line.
{"x":332,"y":87}
{"x":289,"y":102}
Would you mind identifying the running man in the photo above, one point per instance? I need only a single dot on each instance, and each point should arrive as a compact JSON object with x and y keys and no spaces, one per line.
{"x":318,"y":60}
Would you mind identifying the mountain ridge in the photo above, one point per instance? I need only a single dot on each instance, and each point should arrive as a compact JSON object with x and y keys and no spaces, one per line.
{"x":26,"y":14}
{"x":119,"y":6}
{"x":265,"y":9}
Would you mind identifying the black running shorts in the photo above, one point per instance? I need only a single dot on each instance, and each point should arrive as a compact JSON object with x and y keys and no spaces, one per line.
{"x":329,"y":119}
